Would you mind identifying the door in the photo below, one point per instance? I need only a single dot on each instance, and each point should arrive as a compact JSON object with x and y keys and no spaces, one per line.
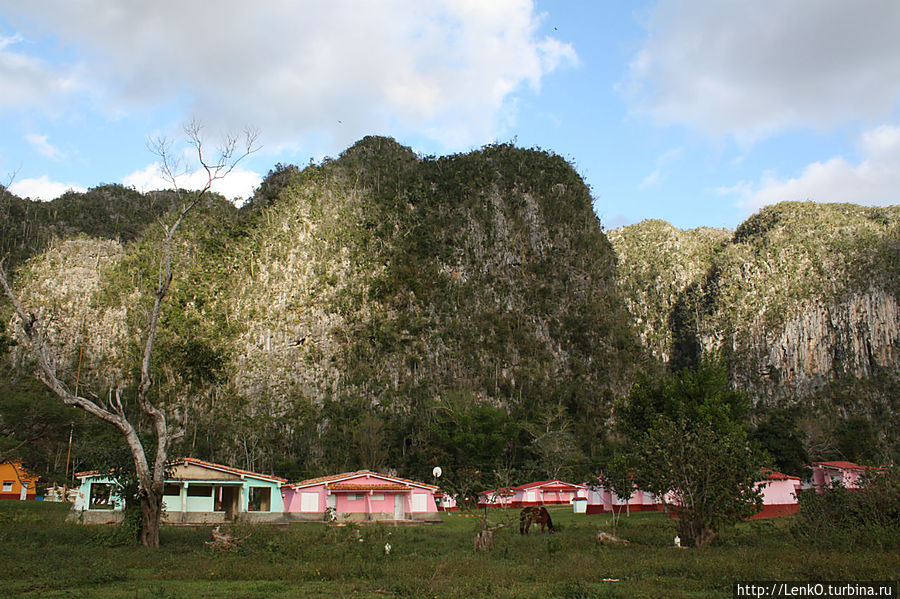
{"x":230,"y":502}
{"x":399,"y":506}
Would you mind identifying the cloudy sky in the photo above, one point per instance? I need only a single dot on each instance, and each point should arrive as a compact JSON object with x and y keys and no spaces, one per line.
{"x":692,"y":111}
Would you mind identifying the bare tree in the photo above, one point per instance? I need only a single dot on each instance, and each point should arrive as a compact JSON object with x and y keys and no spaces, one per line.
{"x":150,"y":472}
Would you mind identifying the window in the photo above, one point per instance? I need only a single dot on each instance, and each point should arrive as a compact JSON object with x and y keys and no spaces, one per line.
{"x":199,"y":491}
{"x":419,"y":502}
{"x":101,"y":497}
{"x":309,"y":502}
{"x":171,"y":489}
{"x":354,"y":497}
{"x":7,"y":486}
{"x":378,"y":497}
{"x":260,"y":499}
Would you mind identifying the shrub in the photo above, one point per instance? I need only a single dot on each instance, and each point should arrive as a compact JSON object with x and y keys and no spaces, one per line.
{"x":867,"y":516}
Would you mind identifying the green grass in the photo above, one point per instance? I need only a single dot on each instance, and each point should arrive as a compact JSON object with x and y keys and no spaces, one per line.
{"x":42,"y":556}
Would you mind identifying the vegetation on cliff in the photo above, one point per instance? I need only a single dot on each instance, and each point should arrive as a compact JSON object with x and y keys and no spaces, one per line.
{"x":338,"y":318}
{"x":801,"y":300}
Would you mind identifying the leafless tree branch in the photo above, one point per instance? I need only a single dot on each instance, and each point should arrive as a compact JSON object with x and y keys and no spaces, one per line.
{"x":232,"y":152}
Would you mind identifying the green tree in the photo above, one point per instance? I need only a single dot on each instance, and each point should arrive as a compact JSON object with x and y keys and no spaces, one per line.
{"x":688,"y":440}
{"x":618,"y":477}
{"x":778,"y":434}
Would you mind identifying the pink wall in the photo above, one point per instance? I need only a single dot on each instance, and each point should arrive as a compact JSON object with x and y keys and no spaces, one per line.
{"x":359,"y":501}
{"x":825,"y":476}
{"x":601,"y":499}
{"x":779,"y":492}
{"x":542,"y":494}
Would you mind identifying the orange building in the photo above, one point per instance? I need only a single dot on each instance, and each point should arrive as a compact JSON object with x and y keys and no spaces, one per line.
{"x":16,"y":482}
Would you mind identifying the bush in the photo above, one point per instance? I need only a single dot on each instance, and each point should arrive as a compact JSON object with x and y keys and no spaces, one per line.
{"x":867,"y":516}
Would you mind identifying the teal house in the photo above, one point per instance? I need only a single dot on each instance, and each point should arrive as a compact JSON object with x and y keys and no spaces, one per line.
{"x":196,"y":492}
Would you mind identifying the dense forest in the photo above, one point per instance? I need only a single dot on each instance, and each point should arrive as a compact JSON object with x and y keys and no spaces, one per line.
{"x":391,"y":311}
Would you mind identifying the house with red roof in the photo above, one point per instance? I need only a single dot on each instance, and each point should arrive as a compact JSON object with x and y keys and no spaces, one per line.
{"x":601,"y":500}
{"x":361,"y":496}
{"x":779,"y":494}
{"x":846,"y":474}
{"x":543,"y":492}
{"x":195,"y":492}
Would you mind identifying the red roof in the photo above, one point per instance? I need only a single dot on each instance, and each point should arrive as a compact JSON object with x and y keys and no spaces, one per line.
{"x":841,"y":465}
{"x":358,"y":473}
{"x":553,"y":485}
{"x":367,"y":487}
{"x":204,"y":464}
{"x":774,"y":475}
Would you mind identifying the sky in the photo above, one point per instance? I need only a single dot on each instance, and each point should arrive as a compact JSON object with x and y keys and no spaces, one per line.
{"x":695,"y":112}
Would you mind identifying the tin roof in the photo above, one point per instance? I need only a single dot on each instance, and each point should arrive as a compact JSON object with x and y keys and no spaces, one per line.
{"x":203,"y":464}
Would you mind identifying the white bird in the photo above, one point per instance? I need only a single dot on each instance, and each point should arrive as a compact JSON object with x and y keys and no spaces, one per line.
{"x":387,"y":548}
{"x":677,"y":541}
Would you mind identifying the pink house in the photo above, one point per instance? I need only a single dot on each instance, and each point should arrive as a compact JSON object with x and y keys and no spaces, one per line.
{"x":602,"y":500}
{"x":545,"y":492}
{"x":826,"y":474}
{"x":445,"y":502}
{"x":779,"y":495}
{"x":363,"y":495}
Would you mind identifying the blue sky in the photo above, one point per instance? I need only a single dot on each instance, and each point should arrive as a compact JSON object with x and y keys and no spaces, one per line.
{"x":695,"y":112}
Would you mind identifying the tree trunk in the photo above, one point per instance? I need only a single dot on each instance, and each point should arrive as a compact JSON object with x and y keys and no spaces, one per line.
{"x":694,"y":532}
{"x":151,"y":515}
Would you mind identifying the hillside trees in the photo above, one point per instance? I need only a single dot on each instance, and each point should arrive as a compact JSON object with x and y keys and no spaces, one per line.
{"x":164,"y":418}
{"x":689,"y":441}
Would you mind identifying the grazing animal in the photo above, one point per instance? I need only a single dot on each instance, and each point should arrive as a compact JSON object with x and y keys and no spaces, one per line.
{"x":538,"y":515}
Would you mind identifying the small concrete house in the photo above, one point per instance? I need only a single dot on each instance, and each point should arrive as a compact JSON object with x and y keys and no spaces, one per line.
{"x":196,"y":492}
{"x":362,"y":495}
{"x":601,"y":500}
{"x":827,"y":474}
{"x":779,"y":494}
{"x":445,"y":502}
{"x":17,"y":483}
{"x":544,"y":492}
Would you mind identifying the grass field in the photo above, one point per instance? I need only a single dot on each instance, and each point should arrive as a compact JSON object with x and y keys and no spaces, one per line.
{"x":42,"y":556}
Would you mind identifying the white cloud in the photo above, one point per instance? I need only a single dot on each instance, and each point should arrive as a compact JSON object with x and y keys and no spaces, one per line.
{"x":294,"y":69}
{"x":873,"y":181}
{"x":42,"y":188}
{"x":749,"y":69}
{"x":27,"y":81}
{"x":238,"y":185}
{"x":44,"y":147}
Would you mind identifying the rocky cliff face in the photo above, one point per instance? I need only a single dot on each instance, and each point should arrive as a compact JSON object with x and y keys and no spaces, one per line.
{"x":802,"y":296}
{"x":383,"y":276}
{"x":382,"y":283}
{"x":660,"y":266}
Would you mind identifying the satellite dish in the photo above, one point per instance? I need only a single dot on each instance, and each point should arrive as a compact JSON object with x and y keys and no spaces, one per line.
{"x":437,"y":472}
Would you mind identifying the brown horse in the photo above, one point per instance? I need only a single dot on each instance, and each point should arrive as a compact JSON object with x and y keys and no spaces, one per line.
{"x":538,"y":515}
